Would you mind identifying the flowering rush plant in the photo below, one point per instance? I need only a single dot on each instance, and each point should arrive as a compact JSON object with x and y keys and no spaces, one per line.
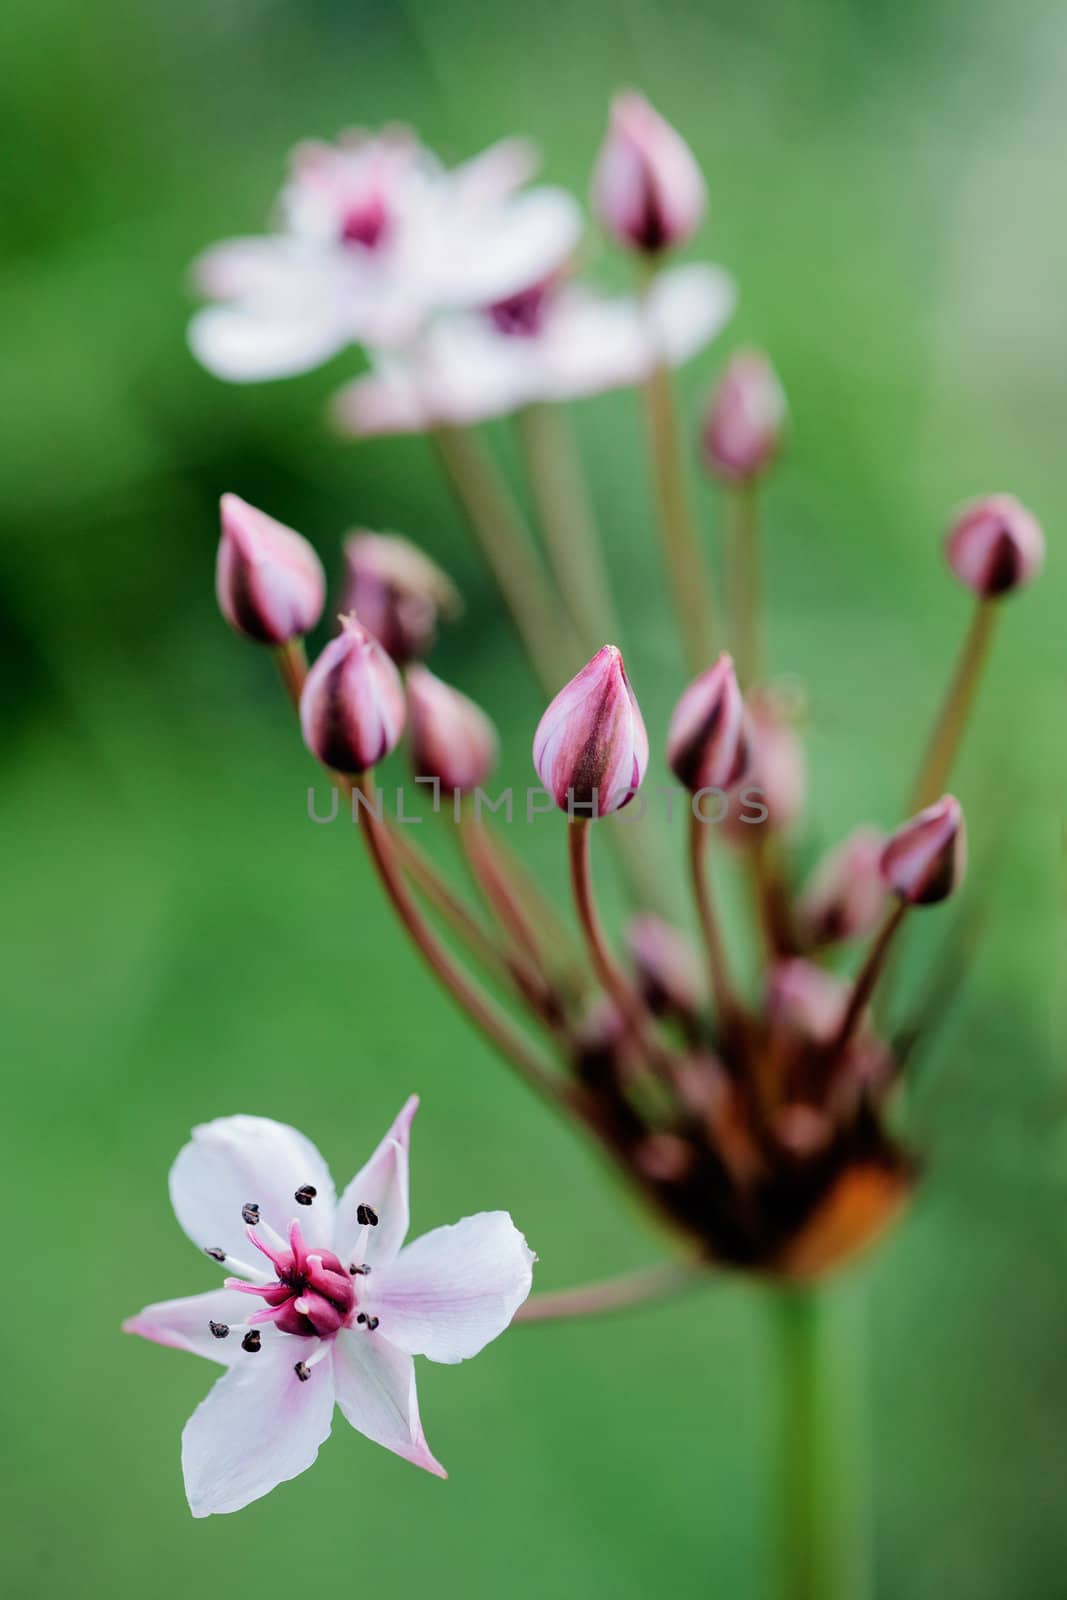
{"x":752,"y":1106}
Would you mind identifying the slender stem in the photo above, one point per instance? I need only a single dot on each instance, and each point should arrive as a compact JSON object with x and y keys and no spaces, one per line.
{"x":745,"y":586}
{"x":615,"y":1294}
{"x":565,"y":514}
{"x":866,"y":978}
{"x":822,"y":1515}
{"x":498,"y":526}
{"x":955,"y":709}
{"x":718,"y":968}
{"x":470,"y":998}
{"x":292,"y":668}
{"x":685,"y":567}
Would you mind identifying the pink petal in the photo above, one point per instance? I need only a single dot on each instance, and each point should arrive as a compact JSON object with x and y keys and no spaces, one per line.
{"x":185,"y":1324}
{"x":376,"y":1392}
{"x":237,"y":1161}
{"x":383,"y":1185}
{"x":259,"y":1426}
{"x":452,"y":1291}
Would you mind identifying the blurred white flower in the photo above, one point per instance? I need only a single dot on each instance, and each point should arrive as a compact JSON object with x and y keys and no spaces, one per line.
{"x":375,"y":235}
{"x":551,"y":342}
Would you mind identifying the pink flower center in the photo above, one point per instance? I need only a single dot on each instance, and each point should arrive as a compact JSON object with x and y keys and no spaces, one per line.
{"x":521,"y":315}
{"x":365,"y":222}
{"x":312,"y":1293}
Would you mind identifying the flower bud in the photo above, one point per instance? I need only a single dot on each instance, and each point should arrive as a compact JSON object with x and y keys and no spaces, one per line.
{"x":352,"y":707}
{"x":995,"y":546}
{"x":745,"y":418}
{"x":647,"y":188}
{"x":806,"y":1002}
{"x":669,"y":970}
{"x":397,"y":593}
{"x":452,"y":739}
{"x":846,"y":893}
{"x":924,"y":861}
{"x":775,"y":790}
{"x":707,"y":741}
{"x":268,"y":580}
{"x":591,"y":748}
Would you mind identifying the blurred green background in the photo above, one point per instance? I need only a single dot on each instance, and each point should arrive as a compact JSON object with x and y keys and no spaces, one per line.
{"x":887,"y":185}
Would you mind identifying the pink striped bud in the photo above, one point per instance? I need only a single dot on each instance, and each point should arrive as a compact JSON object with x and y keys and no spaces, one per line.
{"x":707,"y":741}
{"x":647,"y":188}
{"x":452,"y":739}
{"x":745,"y":418}
{"x":669,"y":970}
{"x":397,"y":593}
{"x":995,"y":546}
{"x":591,"y":748}
{"x":352,"y":707}
{"x":924,"y":861}
{"x":268,"y":580}
{"x":846,"y":893}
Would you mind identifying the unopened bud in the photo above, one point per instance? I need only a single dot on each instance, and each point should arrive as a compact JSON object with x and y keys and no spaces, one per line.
{"x":452,"y":739}
{"x":397,"y":593}
{"x":268,"y":580}
{"x":647,"y":188}
{"x":924,"y":861}
{"x":352,"y":706}
{"x":669,"y":970}
{"x":707,"y":741}
{"x":995,"y":546}
{"x":591,"y":748}
{"x":846,"y":893}
{"x":745,"y":419}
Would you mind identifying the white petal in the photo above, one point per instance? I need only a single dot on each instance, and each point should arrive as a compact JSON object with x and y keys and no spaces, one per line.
{"x":510,"y":250}
{"x":185,"y":1324}
{"x":454,"y":1289}
{"x":687,"y":307}
{"x":383,"y":1185}
{"x":491,"y":176}
{"x":245,"y":346}
{"x":592,"y":344}
{"x":259,"y":1426}
{"x":237,"y":1161}
{"x":376,"y":1392}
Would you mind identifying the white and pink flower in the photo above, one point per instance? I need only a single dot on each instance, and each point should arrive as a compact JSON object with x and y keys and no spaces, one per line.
{"x":334,"y":1311}
{"x":375,"y":237}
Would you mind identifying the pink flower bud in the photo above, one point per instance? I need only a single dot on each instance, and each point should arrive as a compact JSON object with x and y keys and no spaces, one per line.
{"x":397,"y":593}
{"x":591,"y":748}
{"x":452,"y":739}
{"x":707,"y":741}
{"x":744,"y":422}
{"x":995,"y":546}
{"x":924,"y":861}
{"x":669,"y":970}
{"x":846,"y":893}
{"x":806,"y":1002}
{"x":352,"y":707}
{"x":647,"y":188}
{"x":268,"y":580}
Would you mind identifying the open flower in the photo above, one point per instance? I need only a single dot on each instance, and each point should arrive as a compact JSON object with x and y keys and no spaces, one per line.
{"x":375,"y":236}
{"x":338,"y":1307}
{"x":552,"y":342}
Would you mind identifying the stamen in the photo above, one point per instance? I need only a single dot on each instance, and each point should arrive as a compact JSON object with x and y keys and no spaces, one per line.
{"x":250,"y":1213}
{"x":366,"y":1216}
{"x":221,"y":1330}
{"x":252,"y":1341}
{"x":302,"y":1371}
{"x":215,"y":1251}
{"x":305,"y":1194}
{"x":372,"y":1323}
{"x":359,"y":1271}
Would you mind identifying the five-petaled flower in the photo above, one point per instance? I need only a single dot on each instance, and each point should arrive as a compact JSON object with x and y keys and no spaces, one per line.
{"x":338,"y":1311}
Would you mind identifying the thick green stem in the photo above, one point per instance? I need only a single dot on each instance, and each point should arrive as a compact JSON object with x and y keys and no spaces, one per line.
{"x":822,"y":1488}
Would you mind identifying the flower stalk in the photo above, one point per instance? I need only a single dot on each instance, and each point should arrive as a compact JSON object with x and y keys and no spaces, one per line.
{"x":649,"y":1286}
{"x":948,"y":730}
{"x":745,"y":581}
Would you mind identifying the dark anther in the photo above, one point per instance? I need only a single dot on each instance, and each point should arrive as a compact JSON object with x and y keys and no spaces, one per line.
{"x":357,"y":1271}
{"x":303,"y":1371}
{"x":251,"y":1341}
{"x":366,"y":1216}
{"x":372,"y":1323}
{"x":250,"y":1214}
{"x":305,"y":1194}
{"x":221,"y":1330}
{"x":362,"y":1317}
{"x":216,"y":1252}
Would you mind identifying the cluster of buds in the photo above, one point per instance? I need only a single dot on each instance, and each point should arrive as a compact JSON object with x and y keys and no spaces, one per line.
{"x":749,"y":1102}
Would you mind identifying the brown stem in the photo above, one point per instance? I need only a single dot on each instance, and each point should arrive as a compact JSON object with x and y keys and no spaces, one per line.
{"x":952,"y":719}
{"x":721,"y":984}
{"x":746,"y":603}
{"x":493,"y":882}
{"x":866,"y":978}
{"x":293,"y":668}
{"x":616,"y":1294}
